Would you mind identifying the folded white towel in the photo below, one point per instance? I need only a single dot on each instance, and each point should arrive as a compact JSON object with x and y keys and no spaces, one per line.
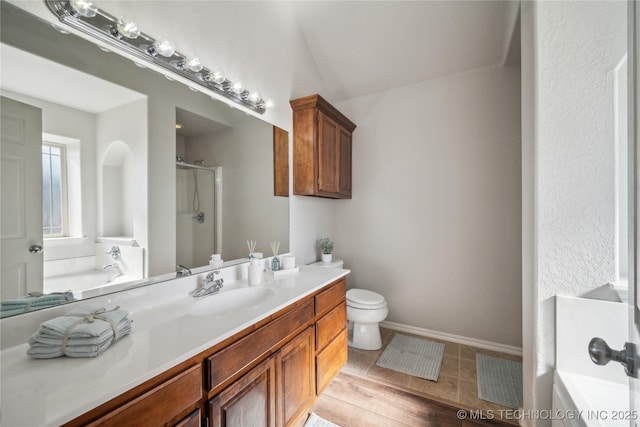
{"x":83,"y":332}
{"x":68,"y":323}
{"x":37,"y":299}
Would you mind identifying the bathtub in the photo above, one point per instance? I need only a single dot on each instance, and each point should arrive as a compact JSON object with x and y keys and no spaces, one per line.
{"x":87,"y":283}
{"x":583,"y":401}
{"x":586,"y":394}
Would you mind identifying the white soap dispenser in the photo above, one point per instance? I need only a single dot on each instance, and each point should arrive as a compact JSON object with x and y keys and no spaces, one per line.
{"x":216,"y":261}
{"x":256,"y":267}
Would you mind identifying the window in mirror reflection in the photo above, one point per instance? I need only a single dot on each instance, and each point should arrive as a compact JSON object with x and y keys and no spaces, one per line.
{"x":54,"y":190}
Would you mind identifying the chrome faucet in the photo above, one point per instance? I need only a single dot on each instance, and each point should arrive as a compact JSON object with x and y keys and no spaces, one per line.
{"x":114,"y":252}
{"x":210,"y":285}
{"x":115,"y":266}
{"x":181,"y":270}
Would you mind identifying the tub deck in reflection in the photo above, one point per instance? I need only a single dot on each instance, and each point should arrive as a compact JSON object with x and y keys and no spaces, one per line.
{"x":86,"y":283}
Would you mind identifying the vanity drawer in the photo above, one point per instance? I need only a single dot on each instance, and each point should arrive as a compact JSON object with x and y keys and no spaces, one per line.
{"x":329,"y":326}
{"x":162,"y":405}
{"x":333,"y":296}
{"x":330,"y":360}
{"x":233,"y":359}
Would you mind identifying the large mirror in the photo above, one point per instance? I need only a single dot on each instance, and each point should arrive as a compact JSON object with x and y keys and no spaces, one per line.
{"x":114,"y":195}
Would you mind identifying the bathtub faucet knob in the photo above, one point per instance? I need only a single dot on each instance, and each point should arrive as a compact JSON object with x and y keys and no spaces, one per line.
{"x":601,"y":354}
{"x":114,"y":252}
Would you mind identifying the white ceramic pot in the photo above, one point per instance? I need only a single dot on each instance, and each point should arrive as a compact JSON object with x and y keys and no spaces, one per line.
{"x":326,"y":258}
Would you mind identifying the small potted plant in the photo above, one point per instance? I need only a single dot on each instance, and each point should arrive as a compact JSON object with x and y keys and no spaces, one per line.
{"x":326,"y":249}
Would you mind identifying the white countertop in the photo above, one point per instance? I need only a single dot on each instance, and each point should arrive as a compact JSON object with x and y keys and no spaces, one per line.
{"x":53,"y":391}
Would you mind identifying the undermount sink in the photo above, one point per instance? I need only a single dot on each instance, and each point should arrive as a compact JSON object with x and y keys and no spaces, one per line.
{"x":227,"y":301}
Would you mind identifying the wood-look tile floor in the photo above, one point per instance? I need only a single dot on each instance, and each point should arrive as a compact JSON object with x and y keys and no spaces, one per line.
{"x":366,"y":395}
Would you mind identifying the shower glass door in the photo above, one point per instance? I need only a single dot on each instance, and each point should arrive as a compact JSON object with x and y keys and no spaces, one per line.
{"x":197,"y":220}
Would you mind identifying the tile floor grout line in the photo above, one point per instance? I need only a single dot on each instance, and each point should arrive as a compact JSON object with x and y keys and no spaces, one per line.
{"x":364,"y":363}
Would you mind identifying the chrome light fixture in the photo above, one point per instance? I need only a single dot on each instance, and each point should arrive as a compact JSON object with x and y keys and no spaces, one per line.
{"x":124,"y":34}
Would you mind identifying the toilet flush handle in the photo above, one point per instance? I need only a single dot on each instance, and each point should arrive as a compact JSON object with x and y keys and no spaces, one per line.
{"x":601,"y":354}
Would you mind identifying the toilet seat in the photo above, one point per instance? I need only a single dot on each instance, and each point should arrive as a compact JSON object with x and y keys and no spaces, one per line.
{"x":365,"y":300}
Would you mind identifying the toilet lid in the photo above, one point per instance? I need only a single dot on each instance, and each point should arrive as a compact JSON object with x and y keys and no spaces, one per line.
{"x":362,"y":296}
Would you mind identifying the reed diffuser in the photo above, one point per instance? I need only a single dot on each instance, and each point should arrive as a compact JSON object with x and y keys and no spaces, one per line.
{"x":252,"y":247}
{"x":275,"y":263}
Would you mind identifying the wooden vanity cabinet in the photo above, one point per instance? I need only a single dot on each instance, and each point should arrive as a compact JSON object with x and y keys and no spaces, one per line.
{"x":322,"y":140}
{"x":266,"y":375}
{"x":277,"y":392}
{"x":331,"y":333}
{"x":296,"y":385}
{"x":249,"y":401}
{"x":170,"y":403}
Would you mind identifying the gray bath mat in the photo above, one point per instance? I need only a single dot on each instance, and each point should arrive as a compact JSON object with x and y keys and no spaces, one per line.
{"x":499,"y":380}
{"x":316,"y":421}
{"x":413,"y":356}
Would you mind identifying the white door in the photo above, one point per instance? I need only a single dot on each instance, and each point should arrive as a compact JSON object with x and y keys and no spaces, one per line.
{"x":21,"y":184}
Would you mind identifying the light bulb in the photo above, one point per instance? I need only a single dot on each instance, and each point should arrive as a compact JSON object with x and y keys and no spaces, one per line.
{"x":164,"y":47}
{"x":193,"y":63}
{"x":237,"y":87}
{"x":127,"y":28}
{"x":216,"y":75}
{"x":269,"y":103}
{"x":255,"y":97}
{"x":84,"y":8}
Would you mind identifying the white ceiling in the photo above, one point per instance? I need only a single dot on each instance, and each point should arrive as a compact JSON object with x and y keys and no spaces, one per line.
{"x":365,"y":47}
{"x":50,"y":81}
{"x":341,"y":49}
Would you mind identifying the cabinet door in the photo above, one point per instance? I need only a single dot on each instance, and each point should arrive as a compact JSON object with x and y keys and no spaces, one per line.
{"x":330,"y":360}
{"x":192,"y":420}
{"x":163,"y":405}
{"x":344,"y":177}
{"x":250,"y":401}
{"x":328,"y":152}
{"x":296,"y":379}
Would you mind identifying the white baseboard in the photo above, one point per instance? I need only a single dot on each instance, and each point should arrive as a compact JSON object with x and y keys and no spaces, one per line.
{"x":487,"y":345}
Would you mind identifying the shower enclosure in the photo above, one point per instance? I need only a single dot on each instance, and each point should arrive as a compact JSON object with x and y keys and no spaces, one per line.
{"x":198,"y":219}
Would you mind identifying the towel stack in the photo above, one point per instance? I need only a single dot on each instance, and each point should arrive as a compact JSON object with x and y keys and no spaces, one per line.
{"x":34,"y":301}
{"x":82,"y":332}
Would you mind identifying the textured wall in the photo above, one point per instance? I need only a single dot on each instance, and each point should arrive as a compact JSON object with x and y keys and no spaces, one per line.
{"x":577,"y":45}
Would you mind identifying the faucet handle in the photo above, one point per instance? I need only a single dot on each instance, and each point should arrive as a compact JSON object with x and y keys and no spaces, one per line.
{"x":114,"y":252}
{"x":181,"y":270}
{"x":209,"y":281}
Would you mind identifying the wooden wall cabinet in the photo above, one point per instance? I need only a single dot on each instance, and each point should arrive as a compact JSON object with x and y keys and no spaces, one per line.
{"x":267,"y":375}
{"x":322,"y":140}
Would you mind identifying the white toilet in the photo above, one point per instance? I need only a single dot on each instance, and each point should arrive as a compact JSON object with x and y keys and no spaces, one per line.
{"x":365,"y":310}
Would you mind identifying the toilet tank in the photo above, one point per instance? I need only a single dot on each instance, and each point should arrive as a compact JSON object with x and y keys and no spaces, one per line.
{"x":336,"y":263}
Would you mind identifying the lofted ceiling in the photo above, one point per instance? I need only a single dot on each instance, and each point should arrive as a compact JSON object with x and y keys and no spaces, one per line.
{"x":365,"y":47}
{"x":340,"y":49}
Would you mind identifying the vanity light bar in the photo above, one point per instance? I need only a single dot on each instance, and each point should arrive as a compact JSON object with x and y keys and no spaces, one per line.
{"x":84,"y":16}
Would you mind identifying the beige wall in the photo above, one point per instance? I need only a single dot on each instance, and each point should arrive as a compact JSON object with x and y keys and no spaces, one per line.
{"x":434,"y":223}
{"x":245,"y":153}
